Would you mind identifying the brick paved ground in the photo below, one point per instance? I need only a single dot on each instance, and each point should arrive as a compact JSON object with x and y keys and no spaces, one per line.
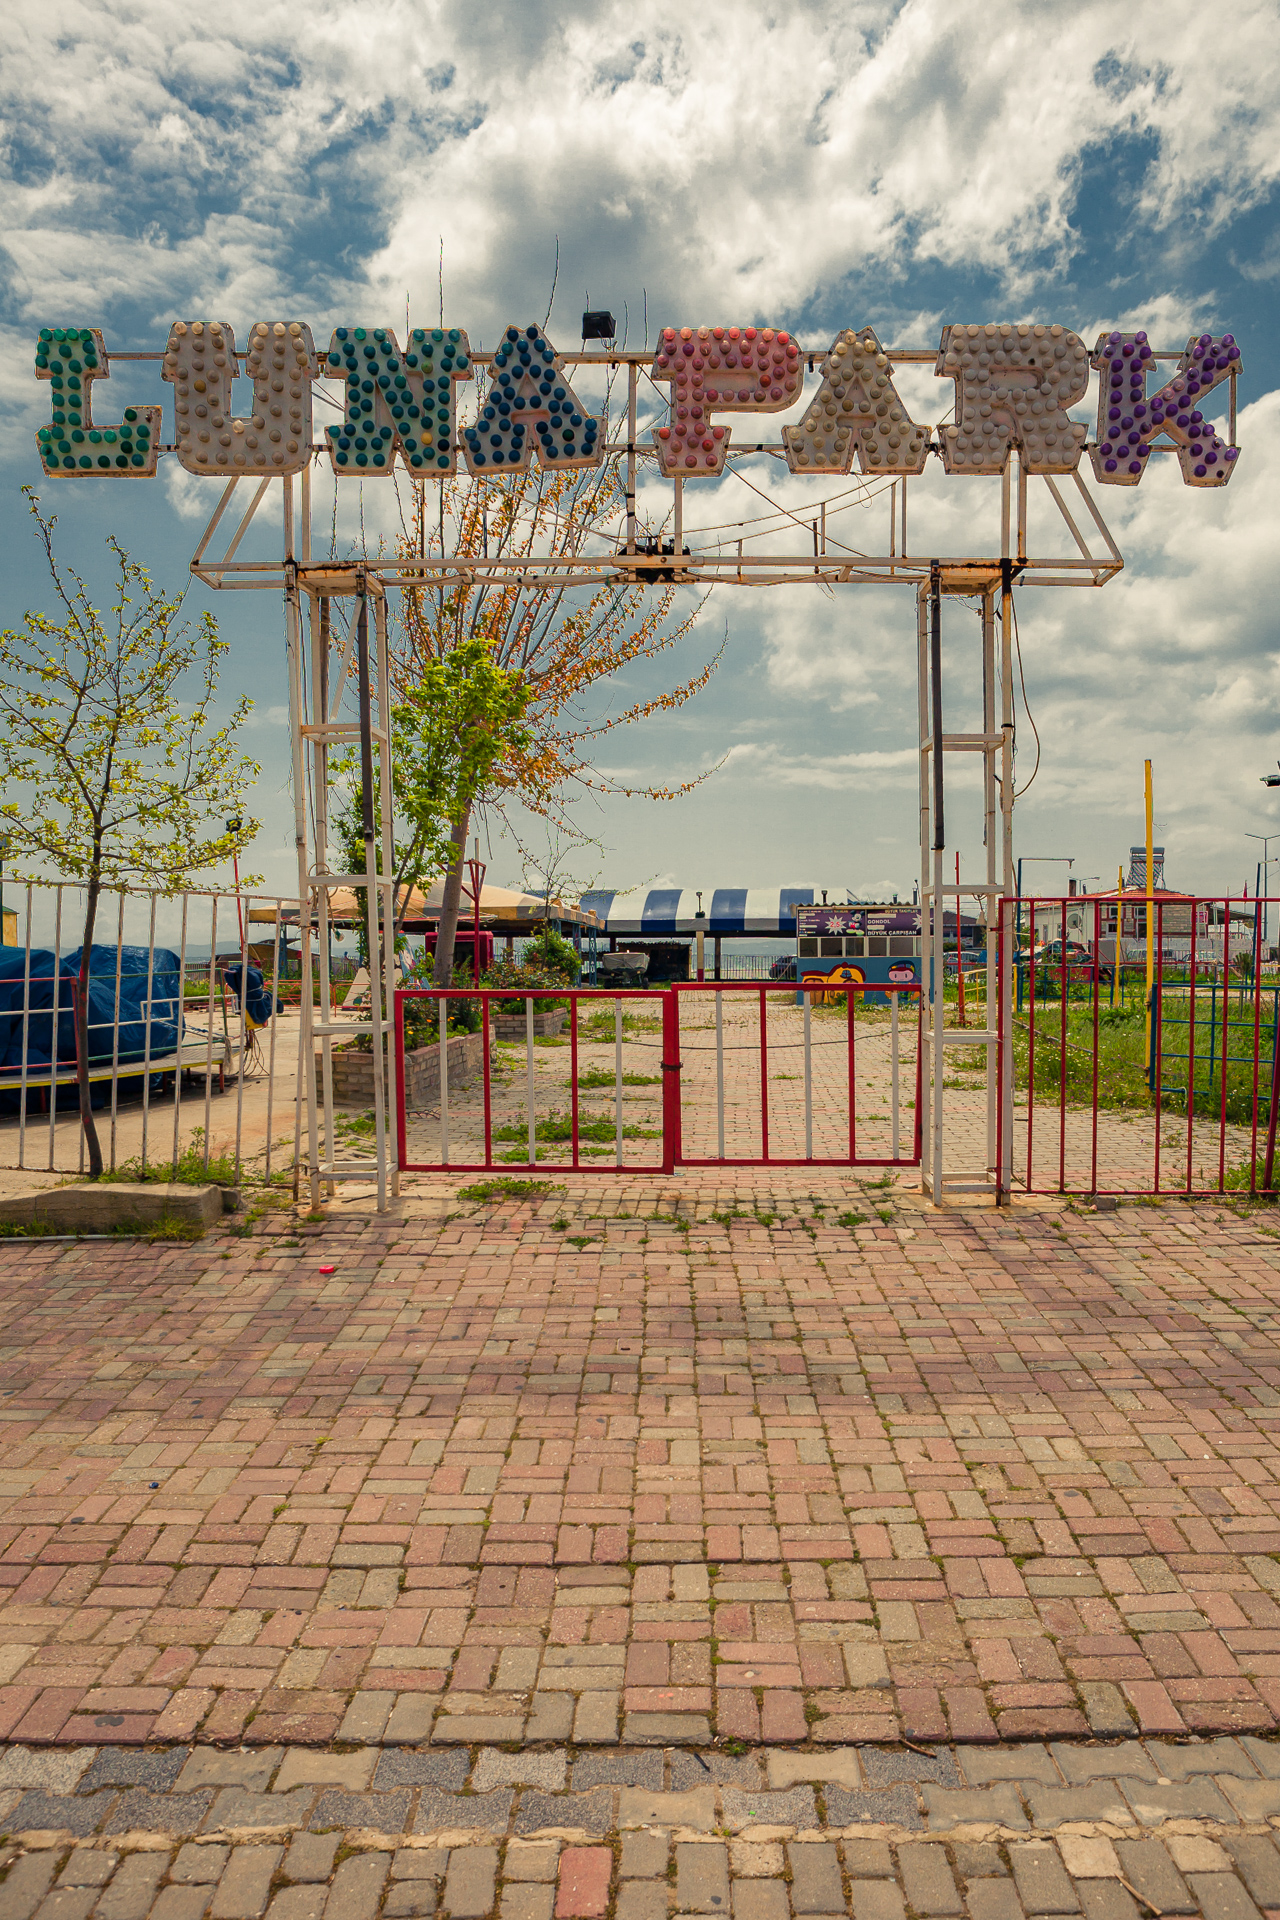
{"x":540,"y":1472}
{"x":765,"y":1547}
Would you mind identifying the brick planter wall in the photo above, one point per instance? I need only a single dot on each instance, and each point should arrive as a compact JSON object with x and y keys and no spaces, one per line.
{"x":512,"y":1026}
{"x":353,"y":1072}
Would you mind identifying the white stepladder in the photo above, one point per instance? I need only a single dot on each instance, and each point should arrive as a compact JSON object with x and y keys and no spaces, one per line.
{"x":319,"y":672}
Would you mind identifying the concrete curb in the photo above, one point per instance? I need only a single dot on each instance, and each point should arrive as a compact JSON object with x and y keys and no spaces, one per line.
{"x":103,"y":1207}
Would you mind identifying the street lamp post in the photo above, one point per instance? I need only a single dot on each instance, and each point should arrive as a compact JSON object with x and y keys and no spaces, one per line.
{"x":1266,"y":839}
{"x":4,"y":848}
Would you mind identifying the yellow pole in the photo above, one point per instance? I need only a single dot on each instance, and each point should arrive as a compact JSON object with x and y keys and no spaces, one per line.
{"x":1151,"y":915}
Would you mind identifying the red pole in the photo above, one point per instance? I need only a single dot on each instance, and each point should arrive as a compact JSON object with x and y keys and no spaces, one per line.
{"x":1097,"y":991}
{"x":764,"y":1080}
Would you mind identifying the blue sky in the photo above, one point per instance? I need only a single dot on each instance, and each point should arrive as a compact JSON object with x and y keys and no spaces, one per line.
{"x":811,"y":166}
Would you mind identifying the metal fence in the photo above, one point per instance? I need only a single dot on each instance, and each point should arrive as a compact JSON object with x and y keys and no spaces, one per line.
{"x":177,"y":1065}
{"x":787,"y":1078}
{"x":1117,"y":1087}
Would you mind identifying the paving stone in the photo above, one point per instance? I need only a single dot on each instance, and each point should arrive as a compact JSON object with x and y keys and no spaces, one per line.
{"x":398,"y":1768}
{"x":644,"y":1854}
{"x":977,"y":1859}
{"x":647,"y":1900}
{"x":1196,"y":1853}
{"x":1108,"y":1900}
{"x":1105,"y":1709}
{"x":26,"y":1884}
{"x":199,"y":1865}
{"x":67,"y":1903}
{"x":176,"y":1813}
{"x":302,"y":1767}
{"x":1265,"y":1755}
{"x":875,"y":1900}
{"x":793,"y":1809}
{"x":954,"y":1807}
{"x":981,"y":1765}
{"x":488,"y":1812}
{"x":1206,"y":1756}
{"x":618,"y":1770}
{"x":702,"y":1877}
{"x":1194,"y":1799}
{"x":1220,"y":1896}
{"x":1259,"y":1863}
{"x":131,"y":1892}
{"x":759,"y":1900}
{"x":181,"y":1903}
{"x":39,"y":1811}
{"x":586,"y":1812}
{"x":1041,"y":1880}
{"x":412,"y":1719}
{"x":383,"y":1812}
{"x":692,"y":1770}
{"x":1127,"y":1761}
{"x":667,"y":1729}
{"x":245,"y":1887}
{"x":885,"y":1767}
{"x":550,"y":1717}
{"x":127,"y":1767}
{"x":50,"y":1772}
{"x":468,"y":1887}
{"x":298,"y":1903}
{"x":492,"y":1769}
{"x":815,"y":1878}
{"x":595,"y":1720}
{"x":898,"y":1805}
{"x":88,"y":1867}
{"x":583,"y":1891}
{"x":1103,"y":1800}
{"x":993,"y":1900}
{"x":527,"y":1902}
{"x":1148,"y":1868}
{"x":419,"y":1863}
{"x":639,"y":1807}
{"x":927,"y":1880}
{"x":357,"y":1887}
{"x":207,"y":1767}
{"x":838,"y":1765}
{"x":531,"y":1860}
{"x":476,"y":1729}
{"x":415,"y":1899}
{"x":1252,"y":1799}
{"x":868,"y":1859}
{"x":234,"y":1808}
{"x":310,"y":1856}
{"x":1088,"y":1856}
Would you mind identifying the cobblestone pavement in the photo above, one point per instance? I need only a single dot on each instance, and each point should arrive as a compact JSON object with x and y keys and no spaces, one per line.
{"x":1106,"y":1832}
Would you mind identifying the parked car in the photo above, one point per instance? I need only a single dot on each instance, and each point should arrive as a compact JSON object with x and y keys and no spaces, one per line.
{"x":784,"y":967}
{"x":1079,"y":960}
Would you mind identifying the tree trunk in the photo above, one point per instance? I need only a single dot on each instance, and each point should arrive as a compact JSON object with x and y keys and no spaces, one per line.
{"x":82,"y":1033}
{"x":442,"y":972}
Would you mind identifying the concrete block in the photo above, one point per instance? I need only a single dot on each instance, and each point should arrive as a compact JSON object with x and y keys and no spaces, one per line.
{"x":108,"y":1206}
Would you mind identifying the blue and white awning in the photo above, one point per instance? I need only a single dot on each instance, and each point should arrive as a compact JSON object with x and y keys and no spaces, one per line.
{"x":652,"y":913}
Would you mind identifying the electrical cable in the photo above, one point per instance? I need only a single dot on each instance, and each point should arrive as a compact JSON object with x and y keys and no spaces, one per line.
{"x":1017,"y":640}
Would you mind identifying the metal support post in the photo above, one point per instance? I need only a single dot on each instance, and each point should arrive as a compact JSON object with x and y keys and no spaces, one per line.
{"x":922,"y":734}
{"x":937,"y":904}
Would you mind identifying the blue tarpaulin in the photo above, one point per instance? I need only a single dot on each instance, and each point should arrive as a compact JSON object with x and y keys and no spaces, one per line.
{"x":257,"y":1001}
{"x":148,"y":997}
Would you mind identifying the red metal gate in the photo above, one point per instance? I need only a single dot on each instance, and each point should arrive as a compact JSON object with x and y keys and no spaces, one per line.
{"x":1120,"y":1086}
{"x":718,"y":1103}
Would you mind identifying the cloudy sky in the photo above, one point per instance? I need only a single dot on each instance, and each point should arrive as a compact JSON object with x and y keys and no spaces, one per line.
{"x":812,"y":166}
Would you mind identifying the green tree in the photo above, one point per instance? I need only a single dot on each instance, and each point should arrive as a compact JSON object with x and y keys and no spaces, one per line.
{"x":120,"y":766}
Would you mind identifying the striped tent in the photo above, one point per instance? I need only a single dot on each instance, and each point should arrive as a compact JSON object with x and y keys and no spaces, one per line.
{"x":653,"y":913}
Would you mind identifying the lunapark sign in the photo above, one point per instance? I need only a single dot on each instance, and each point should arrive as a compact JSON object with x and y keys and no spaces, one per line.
{"x":1013,"y":387}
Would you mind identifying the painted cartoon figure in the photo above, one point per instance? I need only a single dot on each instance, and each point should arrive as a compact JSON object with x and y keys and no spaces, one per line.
{"x":839,"y":976}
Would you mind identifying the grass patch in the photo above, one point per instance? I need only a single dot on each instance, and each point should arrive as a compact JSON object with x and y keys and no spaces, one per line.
{"x":601,"y":1077}
{"x":599,"y":1026}
{"x":852,"y":1219}
{"x":33,"y":1230}
{"x":503,"y":1187}
{"x":559,"y":1126}
{"x":188,"y":1170}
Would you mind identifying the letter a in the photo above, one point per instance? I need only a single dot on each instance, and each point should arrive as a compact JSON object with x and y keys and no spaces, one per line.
{"x":856,"y":408}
